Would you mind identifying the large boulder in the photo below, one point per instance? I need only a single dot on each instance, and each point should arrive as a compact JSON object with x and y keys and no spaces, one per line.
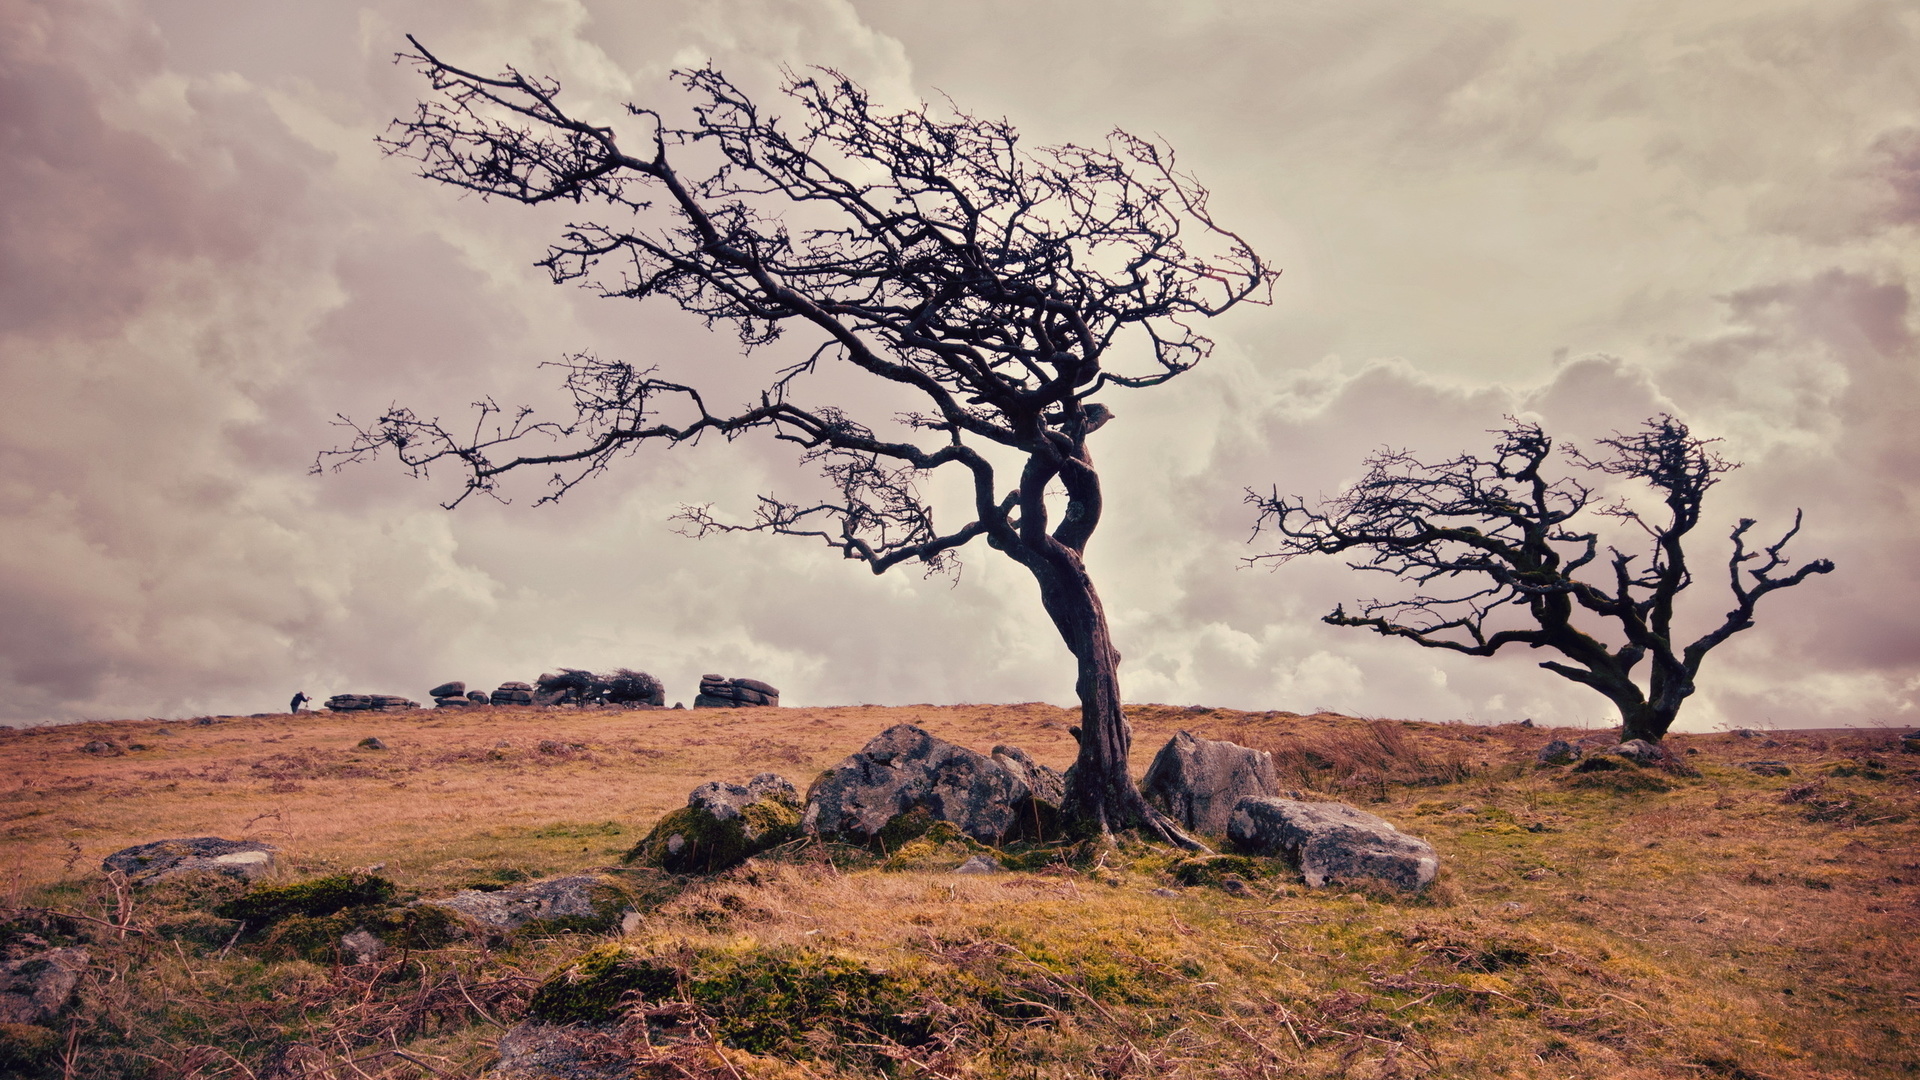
{"x":1332,"y":841}
{"x":512,"y":693}
{"x":454,"y":689}
{"x":906,"y":771}
{"x":1198,"y":781}
{"x":723,"y":825}
{"x":248,"y":859}
{"x":718,"y":692}
{"x":368,"y":702}
{"x":1558,"y":752}
{"x":578,"y":686}
{"x":591,"y":902}
{"x":34,"y":988}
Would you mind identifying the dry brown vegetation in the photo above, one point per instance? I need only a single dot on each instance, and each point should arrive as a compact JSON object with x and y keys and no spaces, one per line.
{"x":1653,"y":925}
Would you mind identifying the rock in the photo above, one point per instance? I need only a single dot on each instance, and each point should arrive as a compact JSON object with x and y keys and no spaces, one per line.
{"x":1046,"y":783}
{"x":1332,"y":842}
{"x":102,"y":748}
{"x":905,"y":769}
{"x":362,"y":946}
{"x":592,"y":902}
{"x":1528,"y":722}
{"x":452,"y":703}
{"x":717,"y":692}
{"x":1164,"y":894}
{"x":531,"y":1050}
{"x":247,"y":859}
{"x":1558,"y":752}
{"x":979,"y":864}
{"x":1638,"y":751}
{"x":350,"y":702}
{"x":34,"y":988}
{"x":1199,"y":781}
{"x":479,"y":697}
{"x":723,"y":825}
{"x":449,"y":689}
{"x":512,"y":693}
{"x":1765,"y":768}
{"x":393,"y":701}
{"x":371,"y":742}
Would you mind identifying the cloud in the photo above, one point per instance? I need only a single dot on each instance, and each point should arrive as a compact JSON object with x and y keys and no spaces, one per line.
{"x":1586,"y":216}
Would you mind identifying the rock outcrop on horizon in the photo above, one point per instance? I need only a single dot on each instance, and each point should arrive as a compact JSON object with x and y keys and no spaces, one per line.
{"x":369,"y":702}
{"x":719,"y":692}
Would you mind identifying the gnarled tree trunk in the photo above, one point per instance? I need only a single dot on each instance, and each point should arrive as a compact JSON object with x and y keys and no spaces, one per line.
{"x":1101,"y":797}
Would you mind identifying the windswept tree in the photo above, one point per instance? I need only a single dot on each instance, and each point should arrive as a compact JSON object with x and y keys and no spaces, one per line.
{"x":1498,"y":554}
{"x":991,"y":283}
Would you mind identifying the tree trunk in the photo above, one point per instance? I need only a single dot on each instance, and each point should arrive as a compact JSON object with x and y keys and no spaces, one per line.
{"x":1101,"y":797}
{"x":1646,"y":720}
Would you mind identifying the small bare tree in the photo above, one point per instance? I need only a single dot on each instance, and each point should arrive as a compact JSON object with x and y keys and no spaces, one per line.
{"x":988,"y":280}
{"x":1502,"y":549}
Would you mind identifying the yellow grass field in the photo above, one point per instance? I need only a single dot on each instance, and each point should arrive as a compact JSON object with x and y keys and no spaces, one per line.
{"x":1721,"y":924}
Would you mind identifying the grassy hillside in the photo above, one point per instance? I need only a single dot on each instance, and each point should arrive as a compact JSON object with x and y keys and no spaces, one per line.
{"x":1638,"y":924}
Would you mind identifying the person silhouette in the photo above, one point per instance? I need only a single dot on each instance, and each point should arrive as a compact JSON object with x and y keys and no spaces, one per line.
{"x":299,"y":698}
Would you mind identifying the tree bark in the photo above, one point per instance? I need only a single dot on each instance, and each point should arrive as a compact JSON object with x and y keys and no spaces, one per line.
{"x":1101,"y":797}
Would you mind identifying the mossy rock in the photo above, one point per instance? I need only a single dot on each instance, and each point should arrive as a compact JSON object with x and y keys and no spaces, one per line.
{"x":27,"y":1049}
{"x":692,"y":840}
{"x":939,"y":846}
{"x":312,"y":898}
{"x":1216,"y":870}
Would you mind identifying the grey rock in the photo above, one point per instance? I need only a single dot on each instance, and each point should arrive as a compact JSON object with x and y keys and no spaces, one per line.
{"x":455,"y":688}
{"x":371,"y":742}
{"x":512,"y":694}
{"x":721,"y":693}
{"x":362,"y":946}
{"x":1766,"y":768}
{"x":903,"y":768}
{"x":534,"y":1051}
{"x":1164,"y":894}
{"x":479,"y":697}
{"x":1046,"y":783}
{"x":102,"y":748}
{"x":516,"y":686}
{"x":34,"y":988}
{"x":452,"y":703}
{"x":980,"y":864}
{"x":727,"y":801}
{"x":1638,"y":751}
{"x":350,"y":702}
{"x":1558,"y":752}
{"x":1199,"y":781}
{"x":249,"y":859}
{"x":1332,"y":841}
{"x":591,"y":900}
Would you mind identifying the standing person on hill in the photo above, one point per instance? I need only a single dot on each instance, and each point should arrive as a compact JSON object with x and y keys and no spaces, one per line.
{"x":299,"y":698}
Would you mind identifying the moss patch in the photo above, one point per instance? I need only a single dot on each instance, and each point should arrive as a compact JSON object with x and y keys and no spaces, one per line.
{"x":782,"y":1001}
{"x":311,"y":898}
{"x":26,"y":1049}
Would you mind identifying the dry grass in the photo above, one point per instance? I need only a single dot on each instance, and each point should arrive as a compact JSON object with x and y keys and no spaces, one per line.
{"x":1736,"y":924}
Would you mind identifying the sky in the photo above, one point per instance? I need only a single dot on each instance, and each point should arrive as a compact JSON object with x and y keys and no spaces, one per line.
{"x":1583,"y":214}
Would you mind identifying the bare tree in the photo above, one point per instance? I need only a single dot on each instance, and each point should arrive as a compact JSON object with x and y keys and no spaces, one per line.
{"x":931,"y":251}
{"x":1496,"y":551}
